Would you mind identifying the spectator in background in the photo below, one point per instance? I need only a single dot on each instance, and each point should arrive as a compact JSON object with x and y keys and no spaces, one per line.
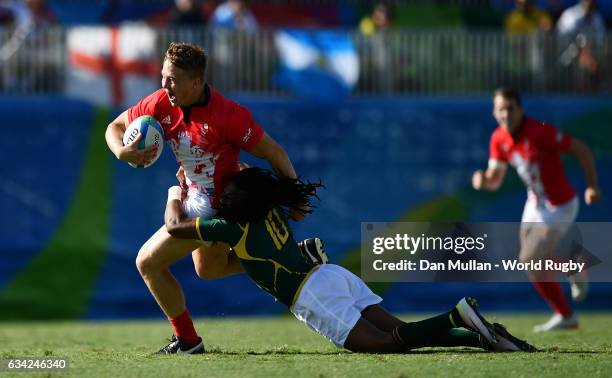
{"x":583,"y":33}
{"x":31,"y":42}
{"x":582,"y":18}
{"x":17,"y":18}
{"x":187,"y":12}
{"x":377,"y":21}
{"x":42,"y":15}
{"x":374,"y":28}
{"x":527,"y":18}
{"x":233,"y":14}
{"x":530,"y":22}
{"x":235,"y":25}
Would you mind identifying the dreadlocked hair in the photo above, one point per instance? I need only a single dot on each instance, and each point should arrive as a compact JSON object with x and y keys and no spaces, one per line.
{"x":253,"y":192}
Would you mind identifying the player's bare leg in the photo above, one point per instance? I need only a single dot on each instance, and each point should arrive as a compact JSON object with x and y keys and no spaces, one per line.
{"x":380,"y":318}
{"x":538,"y":241}
{"x":215,"y":261}
{"x":367,"y":338}
{"x":579,"y":282}
{"x":153,"y":262}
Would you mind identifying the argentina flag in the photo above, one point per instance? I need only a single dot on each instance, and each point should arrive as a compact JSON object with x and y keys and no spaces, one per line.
{"x":317,"y":64}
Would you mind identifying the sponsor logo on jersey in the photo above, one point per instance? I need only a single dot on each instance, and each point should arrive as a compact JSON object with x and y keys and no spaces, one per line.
{"x":204,"y":129}
{"x":167,"y":120}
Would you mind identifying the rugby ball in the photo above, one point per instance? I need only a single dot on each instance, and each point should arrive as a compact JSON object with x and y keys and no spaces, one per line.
{"x":153,"y":135}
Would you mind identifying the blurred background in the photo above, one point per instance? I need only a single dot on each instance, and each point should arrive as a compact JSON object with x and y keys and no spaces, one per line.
{"x":387,"y":103}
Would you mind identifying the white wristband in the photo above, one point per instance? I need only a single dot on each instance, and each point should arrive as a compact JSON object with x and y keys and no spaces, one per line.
{"x":174,"y":193}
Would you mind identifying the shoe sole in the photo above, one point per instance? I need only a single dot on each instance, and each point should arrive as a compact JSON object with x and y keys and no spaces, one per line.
{"x":198,"y":349}
{"x":467,"y":308}
{"x":510,"y":343}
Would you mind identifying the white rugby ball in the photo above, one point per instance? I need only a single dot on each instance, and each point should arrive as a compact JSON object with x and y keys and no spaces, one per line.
{"x":153,"y":135}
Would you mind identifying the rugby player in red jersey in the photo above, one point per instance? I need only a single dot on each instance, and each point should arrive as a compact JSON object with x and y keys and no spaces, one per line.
{"x":206,"y":132}
{"x":534,"y":149}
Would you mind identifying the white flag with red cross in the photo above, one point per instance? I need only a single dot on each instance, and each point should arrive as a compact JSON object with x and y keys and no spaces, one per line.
{"x":112,"y":66}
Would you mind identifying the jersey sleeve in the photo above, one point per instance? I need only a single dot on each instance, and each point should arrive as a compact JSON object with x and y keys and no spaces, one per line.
{"x":146,"y":106}
{"x":497,"y":157}
{"x":218,"y":230}
{"x":553,"y":138}
{"x":243,"y":131}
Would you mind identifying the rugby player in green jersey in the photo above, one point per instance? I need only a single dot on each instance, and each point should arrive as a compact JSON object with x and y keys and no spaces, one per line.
{"x":252,"y":217}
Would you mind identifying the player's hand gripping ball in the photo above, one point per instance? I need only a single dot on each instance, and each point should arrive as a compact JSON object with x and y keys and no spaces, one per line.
{"x":152,"y":135}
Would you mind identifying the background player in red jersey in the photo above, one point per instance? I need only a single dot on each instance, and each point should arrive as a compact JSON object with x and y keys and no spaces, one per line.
{"x":206,"y":132}
{"x":534,"y":149}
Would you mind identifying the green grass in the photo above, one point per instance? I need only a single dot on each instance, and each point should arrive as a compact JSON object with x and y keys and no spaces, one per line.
{"x":283,"y":347}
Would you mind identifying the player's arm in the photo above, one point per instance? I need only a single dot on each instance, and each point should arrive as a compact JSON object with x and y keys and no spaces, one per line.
{"x":269,"y":150}
{"x":493,"y":177}
{"x":129,"y":152}
{"x":277,"y":157}
{"x":176,"y":221}
{"x":585,"y":158}
{"x":490,"y":179}
{"x":180,"y":226}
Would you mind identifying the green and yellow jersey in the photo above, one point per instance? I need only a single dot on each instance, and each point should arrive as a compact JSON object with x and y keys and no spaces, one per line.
{"x":267,"y":251}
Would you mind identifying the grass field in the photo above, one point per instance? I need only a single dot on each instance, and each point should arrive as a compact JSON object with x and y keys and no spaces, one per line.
{"x":283,"y":347}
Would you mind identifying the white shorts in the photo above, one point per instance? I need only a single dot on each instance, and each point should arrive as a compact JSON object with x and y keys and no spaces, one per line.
{"x":331,"y":302}
{"x":559,"y":217}
{"x":197,"y":204}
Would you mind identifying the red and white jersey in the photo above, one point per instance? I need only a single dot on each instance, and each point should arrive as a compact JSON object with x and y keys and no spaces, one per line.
{"x":535,"y":153}
{"x":208,"y":144}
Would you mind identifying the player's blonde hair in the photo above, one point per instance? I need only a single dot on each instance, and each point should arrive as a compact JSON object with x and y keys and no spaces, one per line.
{"x":190,"y":58}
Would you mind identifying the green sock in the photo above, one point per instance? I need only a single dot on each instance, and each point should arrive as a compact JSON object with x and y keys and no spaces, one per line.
{"x":424,"y":332}
{"x":456,"y":319}
{"x":440,"y":330}
{"x":463,"y":337}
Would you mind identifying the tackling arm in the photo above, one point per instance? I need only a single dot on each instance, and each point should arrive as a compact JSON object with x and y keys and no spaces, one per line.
{"x":177,"y":223}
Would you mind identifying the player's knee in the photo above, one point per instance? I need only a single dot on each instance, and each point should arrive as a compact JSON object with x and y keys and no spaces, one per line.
{"x":213,"y":263}
{"x":203,"y":272}
{"x":145,"y":263}
{"x":141,"y":265}
{"x":207,"y":271}
{"x":366,"y":338}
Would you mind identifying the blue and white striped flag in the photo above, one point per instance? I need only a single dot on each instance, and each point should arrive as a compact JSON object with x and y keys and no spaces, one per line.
{"x":319,"y":65}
